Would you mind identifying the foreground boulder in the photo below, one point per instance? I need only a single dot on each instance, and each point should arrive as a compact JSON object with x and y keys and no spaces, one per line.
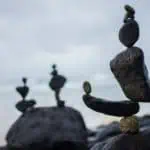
{"x":123,"y":142}
{"x":48,"y":128}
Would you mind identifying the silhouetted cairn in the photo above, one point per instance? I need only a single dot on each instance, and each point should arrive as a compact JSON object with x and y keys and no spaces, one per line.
{"x":130,"y":71}
{"x":24,"y":105}
{"x":56,"y":84}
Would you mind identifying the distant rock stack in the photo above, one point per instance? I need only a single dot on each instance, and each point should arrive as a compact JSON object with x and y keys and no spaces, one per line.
{"x":130,"y":71}
{"x":49,"y":128}
{"x":24,"y":104}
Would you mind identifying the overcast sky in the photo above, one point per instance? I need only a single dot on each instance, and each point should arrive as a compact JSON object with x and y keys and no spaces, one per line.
{"x":81,"y":36}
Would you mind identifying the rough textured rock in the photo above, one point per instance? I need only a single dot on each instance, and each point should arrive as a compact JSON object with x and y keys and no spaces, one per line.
{"x":144,"y":121}
{"x":50,"y":127}
{"x":3,"y":148}
{"x":130,"y":71}
{"x":106,"y":134}
{"x":98,"y":146}
{"x":127,"y":142}
{"x":129,"y":125}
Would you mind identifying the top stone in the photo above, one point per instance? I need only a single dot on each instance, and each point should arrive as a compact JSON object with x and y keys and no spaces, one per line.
{"x":129,"y":32}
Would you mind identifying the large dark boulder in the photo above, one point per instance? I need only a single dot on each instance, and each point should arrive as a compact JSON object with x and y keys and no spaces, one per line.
{"x":48,"y":128}
{"x":131,"y":72}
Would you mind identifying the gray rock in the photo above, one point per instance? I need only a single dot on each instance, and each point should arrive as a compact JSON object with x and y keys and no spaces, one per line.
{"x":127,"y":142}
{"x":144,"y":121}
{"x":105,"y":133}
{"x":50,"y":127}
{"x":131,"y":72}
{"x":3,"y":148}
{"x":98,"y":146}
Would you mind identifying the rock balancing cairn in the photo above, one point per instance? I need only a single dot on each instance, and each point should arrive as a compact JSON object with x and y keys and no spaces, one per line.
{"x":131,"y":73}
{"x":24,"y":104}
{"x":56,"y":83}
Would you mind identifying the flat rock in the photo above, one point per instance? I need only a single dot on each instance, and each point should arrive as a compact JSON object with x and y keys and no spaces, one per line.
{"x":48,"y":127}
{"x":131,"y":72}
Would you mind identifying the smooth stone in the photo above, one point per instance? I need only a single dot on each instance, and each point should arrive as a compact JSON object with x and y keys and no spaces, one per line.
{"x":114,"y":108}
{"x":48,"y":128}
{"x":131,"y":72}
{"x":98,"y":146}
{"x":22,"y":106}
{"x":129,"y":33}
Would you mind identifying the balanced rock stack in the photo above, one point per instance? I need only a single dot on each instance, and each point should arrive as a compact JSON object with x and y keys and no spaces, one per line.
{"x":128,"y":67}
{"x":24,"y":104}
{"x":53,"y":128}
{"x":130,"y":71}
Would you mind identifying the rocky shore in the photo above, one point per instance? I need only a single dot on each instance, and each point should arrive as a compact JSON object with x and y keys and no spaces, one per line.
{"x":102,"y":136}
{"x":105,"y":135}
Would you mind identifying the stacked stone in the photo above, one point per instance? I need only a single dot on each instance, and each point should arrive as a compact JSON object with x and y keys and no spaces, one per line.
{"x":56,"y":84}
{"x":130,"y":71}
{"x":53,"y":128}
{"x":24,"y":104}
{"x":128,"y":67}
